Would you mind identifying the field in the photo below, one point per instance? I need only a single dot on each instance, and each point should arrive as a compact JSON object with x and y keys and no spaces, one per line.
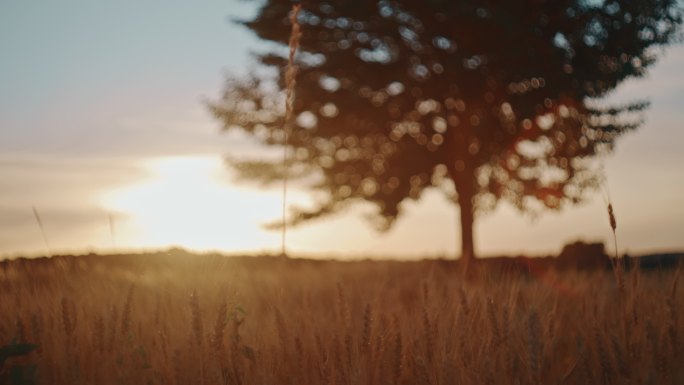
{"x":173,"y":318}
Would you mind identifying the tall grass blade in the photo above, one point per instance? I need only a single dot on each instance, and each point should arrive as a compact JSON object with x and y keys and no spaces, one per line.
{"x":112,"y":232}
{"x":290,"y":81}
{"x":42,"y":230}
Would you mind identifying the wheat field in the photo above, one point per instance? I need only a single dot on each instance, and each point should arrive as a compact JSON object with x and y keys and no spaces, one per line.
{"x":172,"y":318}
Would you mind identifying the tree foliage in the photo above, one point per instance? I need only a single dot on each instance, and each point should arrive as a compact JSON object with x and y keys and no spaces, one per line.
{"x":487,"y":100}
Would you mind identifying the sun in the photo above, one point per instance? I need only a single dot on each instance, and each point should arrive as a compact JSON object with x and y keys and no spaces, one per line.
{"x":188,"y":201}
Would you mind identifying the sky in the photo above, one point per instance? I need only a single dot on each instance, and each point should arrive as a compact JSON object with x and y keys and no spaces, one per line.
{"x":104,"y":130}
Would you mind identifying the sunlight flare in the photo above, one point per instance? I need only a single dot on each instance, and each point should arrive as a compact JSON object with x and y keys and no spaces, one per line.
{"x":189,"y":202}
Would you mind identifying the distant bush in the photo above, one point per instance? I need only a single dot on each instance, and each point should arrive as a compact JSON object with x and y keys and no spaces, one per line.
{"x":583,"y":256}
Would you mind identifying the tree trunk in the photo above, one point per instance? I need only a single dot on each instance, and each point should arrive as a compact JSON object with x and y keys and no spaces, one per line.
{"x":462,"y":172}
{"x":465,"y":203}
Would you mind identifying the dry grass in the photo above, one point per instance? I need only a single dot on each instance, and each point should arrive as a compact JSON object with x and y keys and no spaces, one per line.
{"x":290,"y":83}
{"x":158,"y":319}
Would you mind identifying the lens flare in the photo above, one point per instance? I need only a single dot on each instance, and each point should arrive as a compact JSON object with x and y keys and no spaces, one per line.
{"x":189,"y":202}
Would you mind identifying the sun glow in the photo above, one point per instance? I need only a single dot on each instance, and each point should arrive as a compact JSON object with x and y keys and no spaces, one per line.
{"x":189,"y":202}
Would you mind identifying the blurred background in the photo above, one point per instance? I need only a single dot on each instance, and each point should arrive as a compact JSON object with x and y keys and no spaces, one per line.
{"x":104,"y":130}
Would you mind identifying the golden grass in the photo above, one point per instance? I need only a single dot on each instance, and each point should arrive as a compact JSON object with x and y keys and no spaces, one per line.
{"x":174,"y":319}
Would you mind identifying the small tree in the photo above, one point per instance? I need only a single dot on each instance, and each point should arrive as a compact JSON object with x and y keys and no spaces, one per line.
{"x":497,"y":97}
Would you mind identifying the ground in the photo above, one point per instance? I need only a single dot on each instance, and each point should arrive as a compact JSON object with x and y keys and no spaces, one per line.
{"x":179,"y":318}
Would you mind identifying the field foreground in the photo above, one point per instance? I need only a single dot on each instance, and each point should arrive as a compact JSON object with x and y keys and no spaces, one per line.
{"x":180,"y":319}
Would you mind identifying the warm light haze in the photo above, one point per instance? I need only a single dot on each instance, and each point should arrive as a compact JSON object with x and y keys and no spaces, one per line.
{"x":104,"y":130}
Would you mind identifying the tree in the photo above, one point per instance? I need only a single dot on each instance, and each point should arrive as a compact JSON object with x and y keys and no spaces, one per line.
{"x":487,"y":100}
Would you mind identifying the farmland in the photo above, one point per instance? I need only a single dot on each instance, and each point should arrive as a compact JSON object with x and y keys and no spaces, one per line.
{"x":179,"y":318}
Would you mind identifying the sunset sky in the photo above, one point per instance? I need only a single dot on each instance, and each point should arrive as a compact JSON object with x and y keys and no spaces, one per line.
{"x":102,"y":116}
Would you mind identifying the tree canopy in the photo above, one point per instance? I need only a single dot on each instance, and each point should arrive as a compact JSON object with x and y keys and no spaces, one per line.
{"x":486,"y":100}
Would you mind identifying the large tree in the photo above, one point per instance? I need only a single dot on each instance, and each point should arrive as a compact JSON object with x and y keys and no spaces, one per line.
{"x":488,"y":100}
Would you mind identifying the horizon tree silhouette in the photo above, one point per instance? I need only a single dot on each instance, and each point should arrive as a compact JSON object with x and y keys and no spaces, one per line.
{"x":486,"y":100}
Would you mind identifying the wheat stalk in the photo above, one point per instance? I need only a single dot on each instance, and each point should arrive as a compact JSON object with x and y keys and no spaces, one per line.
{"x":112,"y":232}
{"x":21,"y":330}
{"x":42,"y":230}
{"x":617,"y":262}
{"x":290,"y":82}
{"x":126,"y":314}
{"x":219,"y":327}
